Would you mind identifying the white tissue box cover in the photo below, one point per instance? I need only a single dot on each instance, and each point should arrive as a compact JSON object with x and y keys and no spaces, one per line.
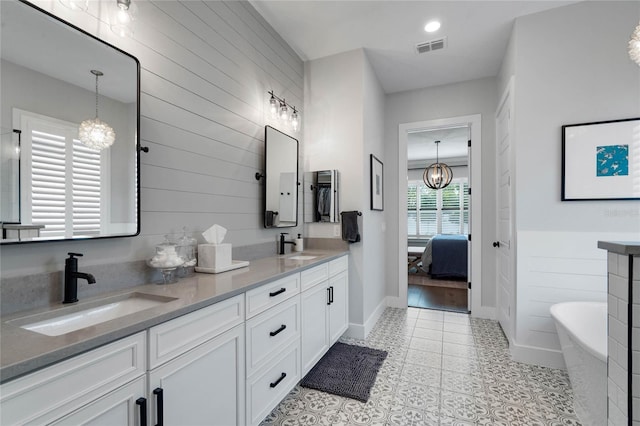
{"x":214,"y":255}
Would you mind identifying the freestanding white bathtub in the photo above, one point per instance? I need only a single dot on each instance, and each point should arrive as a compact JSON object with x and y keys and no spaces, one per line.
{"x":582,"y":329}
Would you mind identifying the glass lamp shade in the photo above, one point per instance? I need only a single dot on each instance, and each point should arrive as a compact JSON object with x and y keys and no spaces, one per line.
{"x":273,"y":107}
{"x":634,"y":46}
{"x":295,"y":120}
{"x":437,"y":176}
{"x":123,"y":14}
{"x":96,"y":134}
{"x":284,"y":111}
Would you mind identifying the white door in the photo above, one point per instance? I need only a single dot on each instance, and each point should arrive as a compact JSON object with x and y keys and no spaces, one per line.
{"x":315,"y":338}
{"x":506,"y":290}
{"x":203,"y":386}
{"x":118,"y":407}
{"x":338,"y":309}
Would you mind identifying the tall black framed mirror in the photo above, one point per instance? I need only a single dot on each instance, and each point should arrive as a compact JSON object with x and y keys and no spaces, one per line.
{"x":57,"y":183}
{"x":281,"y":179}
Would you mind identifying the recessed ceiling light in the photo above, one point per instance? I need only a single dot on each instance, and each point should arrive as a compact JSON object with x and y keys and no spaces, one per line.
{"x":432,"y":26}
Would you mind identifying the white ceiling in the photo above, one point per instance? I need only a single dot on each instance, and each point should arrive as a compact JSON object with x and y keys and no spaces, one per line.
{"x":477,"y":35}
{"x":453,"y":144}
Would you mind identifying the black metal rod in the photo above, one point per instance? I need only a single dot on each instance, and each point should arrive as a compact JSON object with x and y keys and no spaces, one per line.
{"x":275,"y":293}
{"x":159,"y":406}
{"x":278,"y":331}
{"x":142,"y":402}
{"x":277,"y":382}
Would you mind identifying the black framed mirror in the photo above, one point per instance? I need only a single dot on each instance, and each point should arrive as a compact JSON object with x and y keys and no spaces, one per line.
{"x":281,"y":179}
{"x":54,"y":184}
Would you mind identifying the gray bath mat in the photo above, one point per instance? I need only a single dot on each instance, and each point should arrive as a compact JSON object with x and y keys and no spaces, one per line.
{"x":346,"y":370}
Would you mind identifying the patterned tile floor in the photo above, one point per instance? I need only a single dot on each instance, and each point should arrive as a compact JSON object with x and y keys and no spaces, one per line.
{"x":443,"y":368}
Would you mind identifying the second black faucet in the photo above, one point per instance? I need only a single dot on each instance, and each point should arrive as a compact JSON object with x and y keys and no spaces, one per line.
{"x":71,"y":276}
{"x":283,"y":242}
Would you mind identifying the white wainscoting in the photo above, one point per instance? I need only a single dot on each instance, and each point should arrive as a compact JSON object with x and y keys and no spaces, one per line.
{"x":555,"y":267}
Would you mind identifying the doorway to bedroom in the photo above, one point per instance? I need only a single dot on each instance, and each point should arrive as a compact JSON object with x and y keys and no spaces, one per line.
{"x":438,"y":216}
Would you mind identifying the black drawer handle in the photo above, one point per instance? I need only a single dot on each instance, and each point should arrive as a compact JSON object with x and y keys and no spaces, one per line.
{"x":275,"y":293}
{"x":277,"y":382}
{"x":142,"y":402}
{"x":328,"y":296}
{"x":331,"y":294}
{"x":278,"y":331}
{"x":159,"y":406}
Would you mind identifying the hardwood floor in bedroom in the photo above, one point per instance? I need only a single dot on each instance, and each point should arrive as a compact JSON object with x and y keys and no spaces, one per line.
{"x":443,"y":298}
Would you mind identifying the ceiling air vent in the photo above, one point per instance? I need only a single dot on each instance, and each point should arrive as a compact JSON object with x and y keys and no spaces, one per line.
{"x":431,"y":45}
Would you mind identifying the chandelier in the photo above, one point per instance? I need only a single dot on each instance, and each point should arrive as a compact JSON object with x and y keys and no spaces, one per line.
{"x":634,"y":45}
{"x":94,"y":133}
{"x":438,"y":175}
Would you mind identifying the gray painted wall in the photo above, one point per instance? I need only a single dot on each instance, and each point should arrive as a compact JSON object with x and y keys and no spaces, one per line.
{"x":206,"y":68}
{"x":467,"y":98}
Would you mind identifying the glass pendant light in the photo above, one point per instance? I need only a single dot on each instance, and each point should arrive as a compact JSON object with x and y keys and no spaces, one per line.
{"x":94,"y":133}
{"x":438,"y":175}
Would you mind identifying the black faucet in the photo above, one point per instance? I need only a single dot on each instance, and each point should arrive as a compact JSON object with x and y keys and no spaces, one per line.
{"x":71,"y":276}
{"x":283,"y":242}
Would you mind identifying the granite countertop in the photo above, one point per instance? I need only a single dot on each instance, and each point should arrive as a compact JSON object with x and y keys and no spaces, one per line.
{"x":23,"y":351}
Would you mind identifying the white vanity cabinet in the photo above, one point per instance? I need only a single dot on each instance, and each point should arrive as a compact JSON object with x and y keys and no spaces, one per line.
{"x":197,"y":373}
{"x":325,"y":315}
{"x":273,"y":345}
{"x":93,"y":387}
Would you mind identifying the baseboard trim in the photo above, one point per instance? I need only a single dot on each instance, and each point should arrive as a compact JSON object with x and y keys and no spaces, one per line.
{"x":361,"y":331}
{"x":538,"y":356}
{"x":395,"y":302}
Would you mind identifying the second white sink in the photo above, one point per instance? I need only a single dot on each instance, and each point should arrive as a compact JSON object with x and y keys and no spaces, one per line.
{"x":301,"y":257}
{"x":60,"y":322}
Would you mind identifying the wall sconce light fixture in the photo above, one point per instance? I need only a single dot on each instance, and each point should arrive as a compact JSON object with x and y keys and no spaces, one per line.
{"x":94,"y":133}
{"x":634,"y":45}
{"x":438,"y":175}
{"x":279,"y":109}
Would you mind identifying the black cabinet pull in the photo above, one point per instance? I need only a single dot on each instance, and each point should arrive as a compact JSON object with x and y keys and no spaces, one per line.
{"x":275,"y":293}
{"x":278,"y":331}
{"x":496,"y":243}
{"x":331,"y":294}
{"x":328,"y":296}
{"x":277,"y":382}
{"x":142,"y":402}
{"x":159,"y":406}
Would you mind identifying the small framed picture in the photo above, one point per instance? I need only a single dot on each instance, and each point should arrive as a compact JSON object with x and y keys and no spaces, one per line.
{"x":601,"y":161}
{"x":377,"y":184}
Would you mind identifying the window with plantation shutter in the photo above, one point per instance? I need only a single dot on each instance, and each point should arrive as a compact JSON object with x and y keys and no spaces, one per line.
{"x":444,"y":211}
{"x":64,"y":180}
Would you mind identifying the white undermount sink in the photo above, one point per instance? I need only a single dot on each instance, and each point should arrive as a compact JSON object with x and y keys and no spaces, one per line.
{"x":301,"y":257}
{"x":72,"y":318}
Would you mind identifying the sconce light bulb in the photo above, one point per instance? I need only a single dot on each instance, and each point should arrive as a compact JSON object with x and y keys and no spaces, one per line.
{"x":295,"y":120}
{"x":123,"y":17}
{"x":284,"y":111}
{"x":273,"y":107}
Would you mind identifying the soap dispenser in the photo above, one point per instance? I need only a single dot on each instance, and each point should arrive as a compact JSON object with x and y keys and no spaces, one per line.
{"x":299,"y":243}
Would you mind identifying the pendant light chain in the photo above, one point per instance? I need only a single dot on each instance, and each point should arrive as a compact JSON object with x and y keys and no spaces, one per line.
{"x":96,"y":95}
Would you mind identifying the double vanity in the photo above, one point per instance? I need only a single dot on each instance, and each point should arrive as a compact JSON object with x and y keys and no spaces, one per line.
{"x":212,"y":349}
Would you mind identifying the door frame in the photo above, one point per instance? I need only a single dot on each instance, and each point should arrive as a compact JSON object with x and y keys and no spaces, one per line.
{"x":475,"y":221}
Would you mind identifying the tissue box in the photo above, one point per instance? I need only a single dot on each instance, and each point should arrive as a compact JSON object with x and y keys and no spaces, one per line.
{"x":214,"y":255}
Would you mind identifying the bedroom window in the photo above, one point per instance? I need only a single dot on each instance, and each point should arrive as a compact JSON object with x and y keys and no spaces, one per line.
{"x":432,"y":212}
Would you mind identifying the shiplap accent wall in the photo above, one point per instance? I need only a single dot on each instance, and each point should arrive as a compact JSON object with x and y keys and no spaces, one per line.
{"x":554,"y":267}
{"x":206,"y":67}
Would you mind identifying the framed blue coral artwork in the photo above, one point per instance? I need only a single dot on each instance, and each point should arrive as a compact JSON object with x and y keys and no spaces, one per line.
{"x":601,"y":160}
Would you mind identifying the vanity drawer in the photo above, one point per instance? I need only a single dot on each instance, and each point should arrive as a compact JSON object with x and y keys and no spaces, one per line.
{"x":269,"y":332}
{"x":51,"y":393}
{"x":338,"y":265}
{"x":262,"y":298}
{"x":267,"y":389}
{"x":172,"y":338}
{"x":314,"y":276}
